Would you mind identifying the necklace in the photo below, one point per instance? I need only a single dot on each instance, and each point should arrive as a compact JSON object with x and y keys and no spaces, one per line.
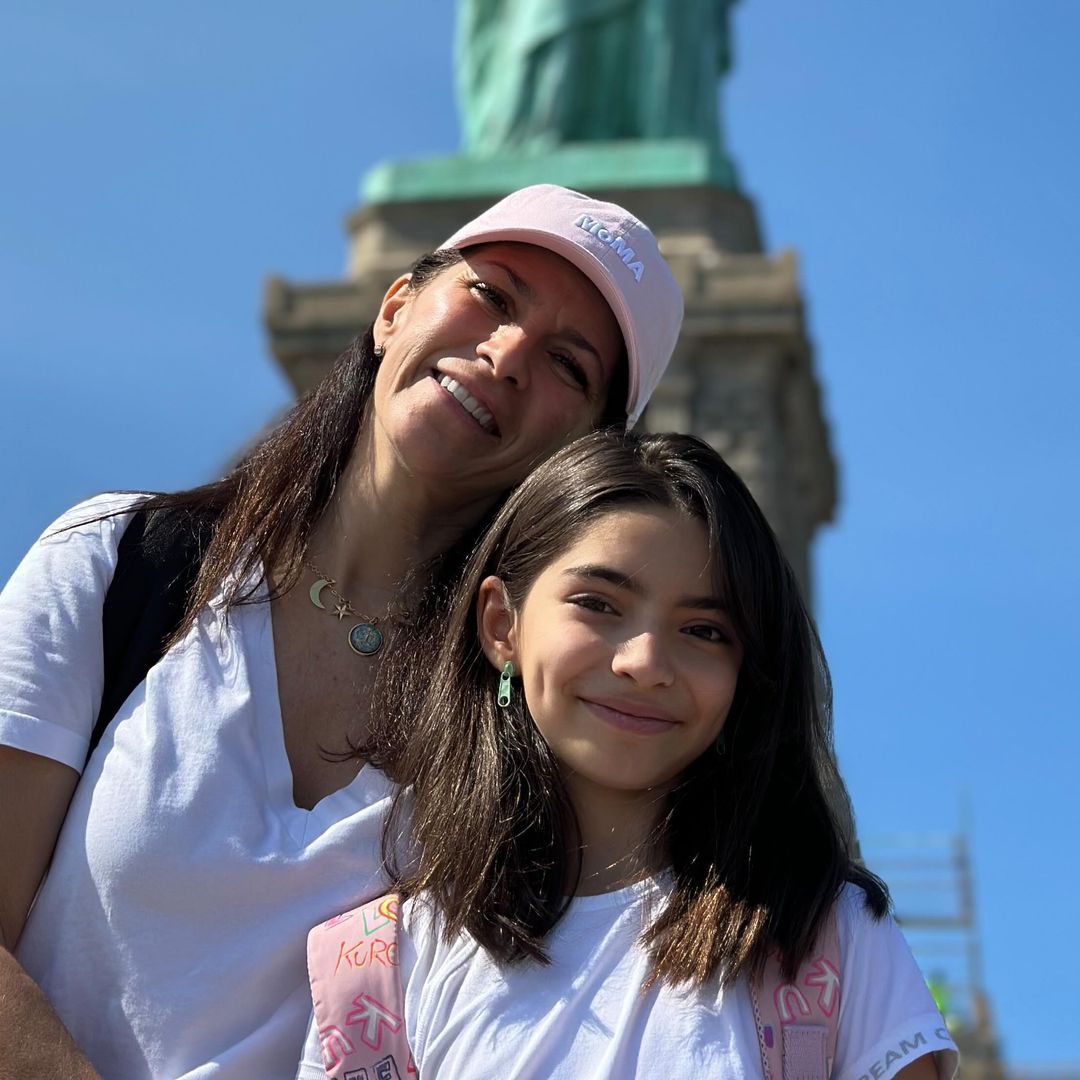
{"x":365,"y":638}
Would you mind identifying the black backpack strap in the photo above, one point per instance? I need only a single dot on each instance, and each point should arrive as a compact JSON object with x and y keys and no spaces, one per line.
{"x":158,"y":560}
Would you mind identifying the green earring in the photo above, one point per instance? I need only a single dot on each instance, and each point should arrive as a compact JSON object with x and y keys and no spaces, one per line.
{"x":503,"y":699}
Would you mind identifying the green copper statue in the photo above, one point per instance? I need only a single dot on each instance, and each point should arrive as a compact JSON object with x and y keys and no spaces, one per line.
{"x":535,"y":74}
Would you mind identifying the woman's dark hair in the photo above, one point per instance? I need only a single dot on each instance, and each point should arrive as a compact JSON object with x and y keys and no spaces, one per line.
{"x":757,"y":839}
{"x":262,"y":512}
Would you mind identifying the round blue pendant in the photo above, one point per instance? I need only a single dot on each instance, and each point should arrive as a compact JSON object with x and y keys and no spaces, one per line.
{"x":365,"y":638}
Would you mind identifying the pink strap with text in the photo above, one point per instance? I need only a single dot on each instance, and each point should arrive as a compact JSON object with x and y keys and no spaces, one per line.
{"x":797,"y":1021}
{"x":357,"y":993}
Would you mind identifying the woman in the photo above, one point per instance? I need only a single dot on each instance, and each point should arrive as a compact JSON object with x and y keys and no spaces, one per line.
{"x":212,"y":806}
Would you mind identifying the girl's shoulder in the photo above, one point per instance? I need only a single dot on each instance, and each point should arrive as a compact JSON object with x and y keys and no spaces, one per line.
{"x":888,"y":1017}
{"x":854,"y":916}
{"x":868,"y":942}
{"x":863,"y":935}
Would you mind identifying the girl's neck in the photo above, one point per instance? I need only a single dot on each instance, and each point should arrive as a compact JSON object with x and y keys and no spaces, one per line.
{"x":618,"y":836}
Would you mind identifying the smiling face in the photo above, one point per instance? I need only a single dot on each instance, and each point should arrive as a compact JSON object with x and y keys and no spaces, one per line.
{"x":628,"y":660}
{"x":490,"y":367}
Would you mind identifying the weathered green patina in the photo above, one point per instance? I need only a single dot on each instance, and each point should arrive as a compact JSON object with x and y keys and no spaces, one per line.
{"x":534,"y":74}
{"x":597,"y":94}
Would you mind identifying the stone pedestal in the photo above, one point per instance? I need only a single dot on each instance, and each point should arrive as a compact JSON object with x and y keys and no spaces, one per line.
{"x":742,"y":379}
{"x":742,"y":376}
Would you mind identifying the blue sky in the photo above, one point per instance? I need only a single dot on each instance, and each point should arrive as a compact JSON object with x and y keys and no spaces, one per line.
{"x":921,"y":158}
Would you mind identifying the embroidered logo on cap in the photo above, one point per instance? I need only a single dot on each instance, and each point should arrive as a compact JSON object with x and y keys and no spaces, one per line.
{"x":614,"y":241}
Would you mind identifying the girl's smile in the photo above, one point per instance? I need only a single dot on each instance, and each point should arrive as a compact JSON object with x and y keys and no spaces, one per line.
{"x":627,"y":718}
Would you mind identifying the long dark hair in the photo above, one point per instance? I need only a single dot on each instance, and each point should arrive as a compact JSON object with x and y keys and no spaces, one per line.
{"x":757,"y":839}
{"x":261,"y":513}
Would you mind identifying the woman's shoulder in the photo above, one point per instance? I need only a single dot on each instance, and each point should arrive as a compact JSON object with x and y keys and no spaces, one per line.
{"x":51,"y":670}
{"x":75,"y":554}
{"x":93,"y":524}
{"x":103,"y":504}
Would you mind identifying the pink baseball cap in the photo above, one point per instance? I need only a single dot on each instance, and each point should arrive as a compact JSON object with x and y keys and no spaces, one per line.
{"x":615,"y":251}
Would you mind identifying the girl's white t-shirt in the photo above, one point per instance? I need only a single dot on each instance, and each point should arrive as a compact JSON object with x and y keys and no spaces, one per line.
{"x":170,"y":931}
{"x":584,"y":1015}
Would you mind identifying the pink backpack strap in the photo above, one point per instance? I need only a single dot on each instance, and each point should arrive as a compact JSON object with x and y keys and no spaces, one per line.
{"x":357,"y":993}
{"x":796,"y":1021}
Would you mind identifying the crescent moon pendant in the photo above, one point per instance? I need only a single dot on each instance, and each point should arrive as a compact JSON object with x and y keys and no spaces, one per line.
{"x":315,"y":592}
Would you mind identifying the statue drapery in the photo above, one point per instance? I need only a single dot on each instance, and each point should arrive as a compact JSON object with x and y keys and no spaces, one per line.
{"x":534,"y":74}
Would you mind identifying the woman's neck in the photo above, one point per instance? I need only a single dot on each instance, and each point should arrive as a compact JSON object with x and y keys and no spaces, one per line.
{"x":618,"y":835}
{"x":382,"y":523}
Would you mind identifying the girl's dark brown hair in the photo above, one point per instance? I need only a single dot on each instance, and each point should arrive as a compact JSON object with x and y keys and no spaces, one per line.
{"x":757,"y":839}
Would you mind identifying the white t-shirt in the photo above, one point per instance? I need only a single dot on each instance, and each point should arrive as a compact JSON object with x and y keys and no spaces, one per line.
{"x":170,"y":932}
{"x":584,"y":1015}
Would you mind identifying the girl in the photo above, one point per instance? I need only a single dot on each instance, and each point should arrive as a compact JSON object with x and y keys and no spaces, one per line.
{"x":208,"y":820}
{"x":623,"y":806}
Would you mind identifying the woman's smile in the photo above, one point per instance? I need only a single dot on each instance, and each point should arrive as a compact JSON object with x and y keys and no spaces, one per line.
{"x":471,"y":402}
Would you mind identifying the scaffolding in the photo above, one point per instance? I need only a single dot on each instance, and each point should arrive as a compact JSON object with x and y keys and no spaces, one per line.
{"x":930,"y":877}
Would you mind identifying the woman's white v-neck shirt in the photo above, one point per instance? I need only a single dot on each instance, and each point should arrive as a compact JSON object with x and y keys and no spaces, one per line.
{"x":169,"y":934}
